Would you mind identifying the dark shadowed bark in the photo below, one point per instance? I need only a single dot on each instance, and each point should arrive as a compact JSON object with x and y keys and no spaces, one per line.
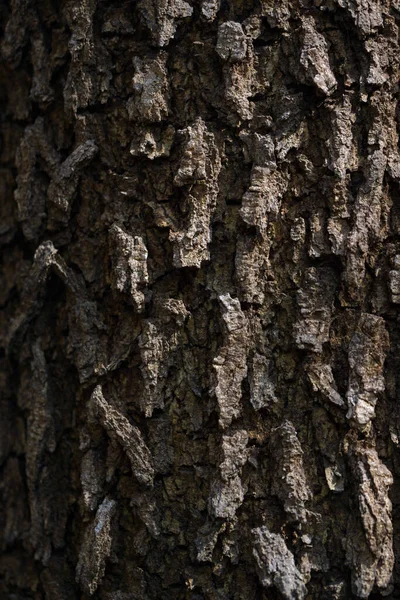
{"x":200,"y":290}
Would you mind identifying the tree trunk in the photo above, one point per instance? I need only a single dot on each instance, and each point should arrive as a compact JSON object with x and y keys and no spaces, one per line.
{"x":200,"y":286}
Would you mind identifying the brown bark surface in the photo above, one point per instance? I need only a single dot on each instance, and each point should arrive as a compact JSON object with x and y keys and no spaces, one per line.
{"x":200,"y":290}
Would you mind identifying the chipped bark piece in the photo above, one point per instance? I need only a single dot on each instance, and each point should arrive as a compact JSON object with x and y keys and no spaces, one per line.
{"x":367,"y":353}
{"x":232,"y":42}
{"x":318,"y":242}
{"x":153,"y":143}
{"x":261,"y":202}
{"x":199,"y":167}
{"x":289,"y":482}
{"x":275,"y":564}
{"x":210,"y":8}
{"x":370,"y":551}
{"x":340,"y":143}
{"x":171,"y":310}
{"x":225,"y":497}
{"x":96,"y":548}
{"x":232,"y":314}
{"x":238,"y":79}
{"x":314,"y":299}
{"x":277,"y":14}
{"x":63,"y":186}
{"x":251,"y":264}
{"x":322,"y":380}
{"x":394,"y":280}
{"x":334,"y":476}
{"x":157,"y":346}
{"x":375,"y":507}
{"x":368,"y":201}
{"x":262,"y":388}
{"x":89,"y":72}
{"x":367,"y":222}
{"x":161,"y":17}
{"x":258,"y":149}
{"x":314,"y":58}
{"x":394,"y":286}
{"x":298,"y":236}
{"x":229,"y":365}
{"x":379,"y":61}
{"x":234,"y":453}
{"x":79,"y":86}
{"x":239,"y":72}
{"x":367,"y":14}
{"x":127,"y":435}
{"x":154,"y":351}
{"x":298,"y":230}
{"x":193,"y":162}
{"x":191,"y":245}
{"x":129,"y":265}
{"x":151,"y":91}
{"x":227,"y":491}
{"x":338,"y":231}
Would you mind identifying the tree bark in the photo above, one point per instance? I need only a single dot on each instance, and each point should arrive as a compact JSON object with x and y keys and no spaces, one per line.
{"x":200,"y":294}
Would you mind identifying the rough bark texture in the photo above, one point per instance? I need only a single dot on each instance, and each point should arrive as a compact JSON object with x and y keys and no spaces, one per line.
{"x":200,"y":290}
